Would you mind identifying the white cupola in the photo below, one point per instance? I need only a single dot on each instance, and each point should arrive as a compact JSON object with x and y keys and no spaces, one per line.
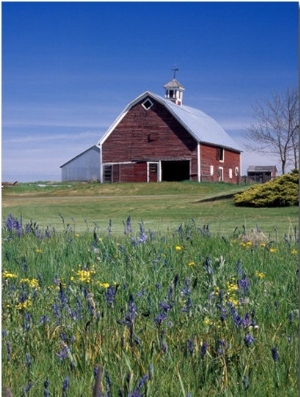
{"x":174,"y":90}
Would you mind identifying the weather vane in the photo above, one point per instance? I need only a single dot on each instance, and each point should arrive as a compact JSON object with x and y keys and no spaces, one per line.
{"x":175,"y":69}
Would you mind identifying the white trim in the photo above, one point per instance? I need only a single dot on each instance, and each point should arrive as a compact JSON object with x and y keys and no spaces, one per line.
{"x":221,"y":177}
{"x":199,"y":162}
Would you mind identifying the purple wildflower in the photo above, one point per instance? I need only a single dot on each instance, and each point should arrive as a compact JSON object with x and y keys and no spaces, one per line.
{"x":160,"y":318}
{"x":203,"y":349}
{"x":127,"y":225}
{"x":65,"y":386}
{"x":64,"y":353}
{"x":8,"y":347}
{"x":274,"y":354}
{"x":190,"y":344}
{"x":109,"y":295}
{"x":28,"y":360}
{"x":244,"y":283}
{"x":28,"y":387}
{"x":208,"y":267}
{"x":245,"y":383}
{"x":44,"y":319}
{"x":248,"y":340}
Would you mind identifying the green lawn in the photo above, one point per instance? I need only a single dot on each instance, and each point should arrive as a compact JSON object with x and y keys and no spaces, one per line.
{"x":161,"y":206}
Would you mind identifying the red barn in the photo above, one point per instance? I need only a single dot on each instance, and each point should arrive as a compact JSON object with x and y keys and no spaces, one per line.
{"x":159,"y":139}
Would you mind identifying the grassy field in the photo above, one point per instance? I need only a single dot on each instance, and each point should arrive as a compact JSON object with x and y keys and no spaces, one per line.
{"x":181,"y":314}
{"x":161,"y":207}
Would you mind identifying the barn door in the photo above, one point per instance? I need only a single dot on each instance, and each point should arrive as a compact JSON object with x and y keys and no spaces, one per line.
{"x":220,"y":172}
{"x":152,"y":172}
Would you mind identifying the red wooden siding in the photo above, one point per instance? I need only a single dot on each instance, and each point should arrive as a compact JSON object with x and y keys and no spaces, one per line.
{"x":209,"y":157}
{"x":149,"y":135}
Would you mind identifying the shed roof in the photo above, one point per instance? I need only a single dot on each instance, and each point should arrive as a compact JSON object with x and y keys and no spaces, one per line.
{"x":201,"y":126}
{"x":94,"y":147}
{"x":261,"y":168}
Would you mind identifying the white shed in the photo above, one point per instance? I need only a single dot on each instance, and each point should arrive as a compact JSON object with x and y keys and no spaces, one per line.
{"x":84,"y":167}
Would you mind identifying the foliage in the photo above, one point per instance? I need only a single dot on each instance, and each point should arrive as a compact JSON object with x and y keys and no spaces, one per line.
{"x":145,"y":314}
{"x":279,"y":192}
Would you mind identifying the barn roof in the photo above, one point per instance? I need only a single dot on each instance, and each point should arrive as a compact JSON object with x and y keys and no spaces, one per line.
{"x":261,"y":168}
{"x":94,"y":147}
{"x":201,"y":126}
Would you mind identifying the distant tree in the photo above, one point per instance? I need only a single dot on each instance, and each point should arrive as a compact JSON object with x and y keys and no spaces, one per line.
{"x":277,"y":128}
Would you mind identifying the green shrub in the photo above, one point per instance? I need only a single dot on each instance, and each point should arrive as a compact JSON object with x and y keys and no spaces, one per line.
{"x":279,"y":192}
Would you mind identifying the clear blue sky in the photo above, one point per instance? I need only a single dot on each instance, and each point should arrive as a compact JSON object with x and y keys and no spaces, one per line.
{"x":69,"y":69}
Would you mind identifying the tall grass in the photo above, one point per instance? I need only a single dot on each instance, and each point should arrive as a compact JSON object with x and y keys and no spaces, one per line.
{"x":183,"y":313}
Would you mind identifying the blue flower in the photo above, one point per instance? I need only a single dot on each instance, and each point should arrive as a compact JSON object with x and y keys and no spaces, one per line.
{"x":248,"y":340}
{"x":274,"y":354}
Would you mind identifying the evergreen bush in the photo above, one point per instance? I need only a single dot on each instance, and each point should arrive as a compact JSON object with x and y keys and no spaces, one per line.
{"x":282,"y":191}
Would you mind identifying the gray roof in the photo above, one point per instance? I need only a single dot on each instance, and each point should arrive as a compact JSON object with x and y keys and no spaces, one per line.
{"x":173,"y":84}
{"x":261,"y":168}
{"x":201,"y":126}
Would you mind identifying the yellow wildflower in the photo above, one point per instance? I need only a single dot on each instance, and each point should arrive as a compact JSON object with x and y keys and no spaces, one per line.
{"x":178,"y":248}
{"x":294,"y":252}
{"x":38,"y":250}
{"x":23,"y":305}
{"x":104,"y":285}
{"x":6,"y":274}
{"x":33,"y":283}
{"x":260,"y":274}
{"x":191,"y":264}
{"x":273,"y":250}
{"x":77,"y":235}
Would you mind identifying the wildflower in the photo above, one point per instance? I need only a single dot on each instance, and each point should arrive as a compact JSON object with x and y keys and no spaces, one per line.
{"x":6,"y":274}
{"x":191,"y":264}
{"x":8,"y":347}
{"x":38,"y":250}
{"x":274,"y":354}
{"x":46,"y":391}
{"x":245,"y":383}
{"x":110,"y":294}
{"x":160,"y":318}
{"x":248,"y":340}
{"x":27,"y":360}
{"x":77,"y":235}
{"x":104,"y":285}
{"x":259,"y":274}
{"x":178,"y":248}
{"x":244,"y":283}
{"x":208,"y":267}
{"x":127,"y":225}
{"x":203,"y":349}
{"x":294,"y":252}
{"x":190,"y":346}
{"x":65,"y":386}
{"x":28,"y":387}
{"x":272,"y":250}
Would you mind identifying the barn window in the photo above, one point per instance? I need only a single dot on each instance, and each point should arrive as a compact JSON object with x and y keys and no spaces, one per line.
{"x":211,"y":170}
{"x":220,"y":154}
{"x":147,"y":104}
{"x":236,"y":171}
{"x":153,"y":168}
{"x":107,"y":173}
{"x":230,"y":173}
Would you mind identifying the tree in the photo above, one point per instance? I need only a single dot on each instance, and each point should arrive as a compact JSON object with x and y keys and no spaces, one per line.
{"x":277,"y":128}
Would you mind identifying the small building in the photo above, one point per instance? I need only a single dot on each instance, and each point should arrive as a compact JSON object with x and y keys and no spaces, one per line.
{"x":261,"y":173}
{"x":158,"y":139}
{"x":84,"y":167}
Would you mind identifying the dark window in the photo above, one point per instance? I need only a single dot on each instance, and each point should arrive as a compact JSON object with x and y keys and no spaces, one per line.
{"x":107,"y":173}
{"x":147,"y":104}
{"x":220,"y":154}
{"x":153,"y":168}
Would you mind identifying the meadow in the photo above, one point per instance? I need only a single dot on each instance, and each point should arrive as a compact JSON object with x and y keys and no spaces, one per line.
{"x":112,"y":307}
